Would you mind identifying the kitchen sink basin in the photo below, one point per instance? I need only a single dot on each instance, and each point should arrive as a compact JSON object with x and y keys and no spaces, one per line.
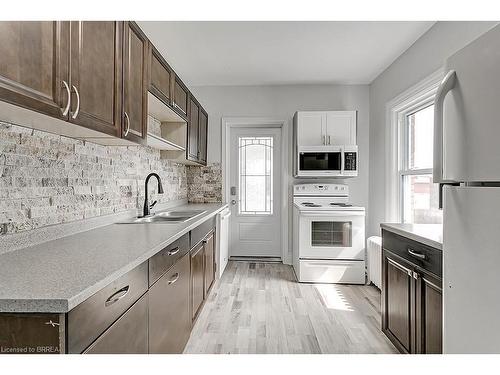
{"x":176,"y":214}
{"x":166,"y":217}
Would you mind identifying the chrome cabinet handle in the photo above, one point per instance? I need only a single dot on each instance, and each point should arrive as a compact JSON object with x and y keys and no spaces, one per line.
{"x":324,"y":139}
{"x":415,"y":275}
{"x":77,"y":102}
{"x":127,"y":123}
{"x":416,"y":254}
{"x":174,"y":251}
{"x":68,"y":91}
{"x":115,"y":297}
{"x":174,"y":278}
{"x":329,"y":140}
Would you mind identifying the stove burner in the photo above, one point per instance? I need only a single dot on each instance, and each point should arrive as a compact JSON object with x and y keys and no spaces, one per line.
{"x":341,"y":204}
{"x":310,"y":204}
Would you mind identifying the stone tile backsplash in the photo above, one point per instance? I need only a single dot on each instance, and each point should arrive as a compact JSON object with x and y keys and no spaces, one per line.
{"x":205,"y":183}
{"x":48,"y":179}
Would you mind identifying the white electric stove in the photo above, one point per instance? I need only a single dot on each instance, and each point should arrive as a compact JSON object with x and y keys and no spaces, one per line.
{"x":328,"y":235}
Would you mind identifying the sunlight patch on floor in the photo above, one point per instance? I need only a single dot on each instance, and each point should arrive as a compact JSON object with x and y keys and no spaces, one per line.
{"x":332,"y":297}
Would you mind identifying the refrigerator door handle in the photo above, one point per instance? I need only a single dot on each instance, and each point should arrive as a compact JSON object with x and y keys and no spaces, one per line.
{"x":441,"y":186}
{"x":446,"y":85}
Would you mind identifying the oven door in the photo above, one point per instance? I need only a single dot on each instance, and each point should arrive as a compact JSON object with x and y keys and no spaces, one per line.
{"x":332,"y":235}
{"x":319,"y":162}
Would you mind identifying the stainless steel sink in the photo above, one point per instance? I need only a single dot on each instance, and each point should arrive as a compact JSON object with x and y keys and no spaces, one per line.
{"x":166,"y":217}
{"x":175,"y":214}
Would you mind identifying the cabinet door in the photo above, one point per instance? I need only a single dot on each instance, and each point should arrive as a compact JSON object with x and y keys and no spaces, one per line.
{"x":209,"y":248}
{"x":197,"y":278}
{"x":169,"y":317}
{"x":160,"y":76}
{"x":311,"y":129}
{"x":128,"y":335}
{"x":96,"y":75}
{"x":134,"y":83}
{"x":397,"y":302}
{"x":203,"y":136}
{"x":34,"y":64}
{"x":341,"y":127}
{"x":429,"y":314}
{"x":181,"y":96}
{"x":193,"y":130}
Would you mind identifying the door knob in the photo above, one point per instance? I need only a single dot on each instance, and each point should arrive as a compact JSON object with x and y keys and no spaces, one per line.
{"x":233,"y":202}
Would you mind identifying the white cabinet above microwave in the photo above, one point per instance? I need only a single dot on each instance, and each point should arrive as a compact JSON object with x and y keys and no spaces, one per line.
{"x":325,"y":128}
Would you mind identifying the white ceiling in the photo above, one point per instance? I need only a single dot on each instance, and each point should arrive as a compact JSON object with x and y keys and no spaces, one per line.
{"x":270,"y":53}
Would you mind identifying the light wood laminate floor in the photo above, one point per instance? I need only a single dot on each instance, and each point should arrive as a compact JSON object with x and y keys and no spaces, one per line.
{"x":260,"y":308}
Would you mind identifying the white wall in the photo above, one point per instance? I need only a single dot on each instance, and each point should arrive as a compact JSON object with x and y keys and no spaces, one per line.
{"x":282,"y":102}
{"x":423,"y":58}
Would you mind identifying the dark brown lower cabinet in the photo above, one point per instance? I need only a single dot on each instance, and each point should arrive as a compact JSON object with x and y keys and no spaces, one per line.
{"x":399,"y":292}
{"x":128,"y":335}
{"x":169,"y":318}
{"x":203,"y":266}
{"x":150,"y":309}
{"x":209,"y":248}
{"x":411,"y":296}
{"x":32,"y":333}
{"x":197,"y":279}
{"x":429,"y":312}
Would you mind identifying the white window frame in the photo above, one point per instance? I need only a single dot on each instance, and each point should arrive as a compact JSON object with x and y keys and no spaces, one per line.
{"x":417,"y":97}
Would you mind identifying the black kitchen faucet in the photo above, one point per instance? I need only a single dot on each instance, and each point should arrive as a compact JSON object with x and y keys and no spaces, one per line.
{"x":147,"y":206}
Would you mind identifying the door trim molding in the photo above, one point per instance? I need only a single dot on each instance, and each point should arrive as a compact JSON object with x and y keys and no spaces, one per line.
{"x":229,"y":123}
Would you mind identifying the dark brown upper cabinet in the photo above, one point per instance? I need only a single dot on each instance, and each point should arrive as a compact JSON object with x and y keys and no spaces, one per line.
{"x":180,"y":99}
{"x":96,"y":76}
{"x":160,"y":83}
{"x":135,"y":83}
{"x":203,"y":136}
{"x":193,"y":130}
{"x":34,"y":66}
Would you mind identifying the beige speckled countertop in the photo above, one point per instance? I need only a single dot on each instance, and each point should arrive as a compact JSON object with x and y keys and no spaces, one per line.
{"x":56,"y":276}
{"x":428,"y":234}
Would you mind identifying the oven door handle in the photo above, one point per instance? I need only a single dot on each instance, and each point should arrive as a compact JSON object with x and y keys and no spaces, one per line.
{"x":331,"y":213}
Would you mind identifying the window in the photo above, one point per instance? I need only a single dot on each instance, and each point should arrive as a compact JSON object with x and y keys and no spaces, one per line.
{"x":419,"y":195}
{"x":255,"y":175}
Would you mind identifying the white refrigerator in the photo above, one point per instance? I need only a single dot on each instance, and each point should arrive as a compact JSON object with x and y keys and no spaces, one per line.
{"x":467,"y":162}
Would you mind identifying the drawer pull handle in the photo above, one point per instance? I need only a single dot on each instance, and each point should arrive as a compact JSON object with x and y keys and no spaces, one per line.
{"x":174,"y":278}
{"x":174,"y":251}
{"x":115,"y":297}
{"x":416,"y":254}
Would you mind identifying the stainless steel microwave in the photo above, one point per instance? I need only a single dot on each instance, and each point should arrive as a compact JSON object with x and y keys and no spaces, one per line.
{"x":327,"y":161}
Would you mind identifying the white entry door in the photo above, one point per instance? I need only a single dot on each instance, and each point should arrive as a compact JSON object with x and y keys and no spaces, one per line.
{"x":255,"y":192}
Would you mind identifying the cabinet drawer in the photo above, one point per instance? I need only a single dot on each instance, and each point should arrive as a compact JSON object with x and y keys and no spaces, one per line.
{"x":128,"y":335}
{"x":163,"y":260}
{"x":89,"y":319}
{"x":201,"y":231}
{"x":423,"y":256}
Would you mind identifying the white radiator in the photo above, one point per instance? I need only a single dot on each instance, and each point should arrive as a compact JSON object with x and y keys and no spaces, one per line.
{"x":374,"y":250}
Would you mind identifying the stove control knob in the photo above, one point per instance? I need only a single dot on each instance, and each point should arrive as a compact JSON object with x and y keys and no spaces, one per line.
{"x":336,"y":188}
